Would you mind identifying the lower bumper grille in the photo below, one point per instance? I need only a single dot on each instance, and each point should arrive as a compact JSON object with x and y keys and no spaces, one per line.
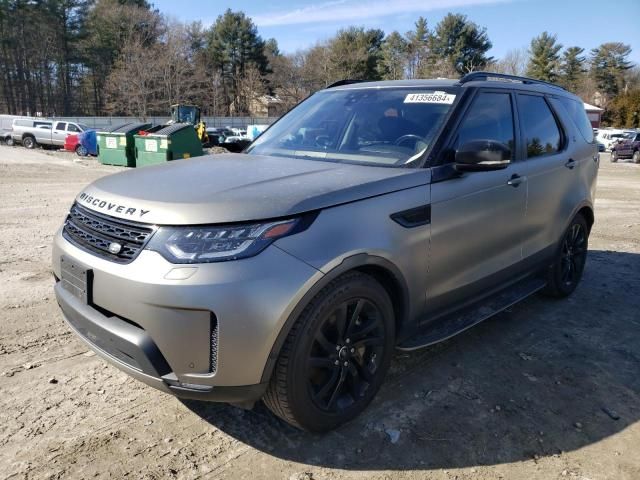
{"x":107,"y":237}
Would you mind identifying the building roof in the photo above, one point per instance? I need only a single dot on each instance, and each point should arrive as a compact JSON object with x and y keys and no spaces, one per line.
{"x":589,"y":107}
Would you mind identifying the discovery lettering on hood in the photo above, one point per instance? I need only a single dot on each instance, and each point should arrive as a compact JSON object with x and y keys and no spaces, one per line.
{"x":111,"y":207}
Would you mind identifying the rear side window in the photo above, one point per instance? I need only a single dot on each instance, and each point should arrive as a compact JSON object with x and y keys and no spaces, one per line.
{"x":23,"y":123}
{"x":578,"y":115}
{"x":489,"y":118}
{"x":541,"y":132}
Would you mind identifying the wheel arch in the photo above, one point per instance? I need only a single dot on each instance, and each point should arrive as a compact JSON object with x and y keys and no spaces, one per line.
{"x":587,"y":212}
{"x":384,"y":271}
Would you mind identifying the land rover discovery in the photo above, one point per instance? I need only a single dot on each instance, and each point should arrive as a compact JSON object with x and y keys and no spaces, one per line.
{"x":372,"y":217}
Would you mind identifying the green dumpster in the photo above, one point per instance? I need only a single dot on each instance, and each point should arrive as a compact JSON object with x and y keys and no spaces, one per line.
{"x":171,"y":142}
{"x":117,"y":146}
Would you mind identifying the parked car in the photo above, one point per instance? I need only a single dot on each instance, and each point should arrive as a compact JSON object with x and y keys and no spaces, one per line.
{"x":33,"y":132}
{"x":5,"y":137}
{"x":87,"y":143}
{"x":628,"y":147}
{"x":372,"y":217}
{"x":71,"y":142}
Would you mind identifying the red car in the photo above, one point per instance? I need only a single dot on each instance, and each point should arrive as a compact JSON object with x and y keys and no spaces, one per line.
{"x":71,"y":142}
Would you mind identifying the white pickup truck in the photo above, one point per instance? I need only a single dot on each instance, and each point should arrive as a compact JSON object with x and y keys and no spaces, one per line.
{"x":33,"y":132}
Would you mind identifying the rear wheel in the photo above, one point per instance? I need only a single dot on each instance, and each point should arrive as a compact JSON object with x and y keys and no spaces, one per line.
{"x":614,"y":156}
{"x":29,"y":142}
{"x":10,"y":142}
{"x":566,"y":271}
{"x":335,"y":358}
{"x":636,"y":156}
{"x":81,"y":151}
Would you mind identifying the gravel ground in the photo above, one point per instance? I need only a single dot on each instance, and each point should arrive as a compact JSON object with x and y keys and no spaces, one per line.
{"x":546,"y":390}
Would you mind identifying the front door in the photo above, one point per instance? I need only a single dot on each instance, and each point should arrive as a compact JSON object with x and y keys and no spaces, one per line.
{"x":477,"y":217}
{"x":59,"y":133}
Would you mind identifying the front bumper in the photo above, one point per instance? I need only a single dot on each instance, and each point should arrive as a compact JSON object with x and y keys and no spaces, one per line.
{"x":160,"y":330}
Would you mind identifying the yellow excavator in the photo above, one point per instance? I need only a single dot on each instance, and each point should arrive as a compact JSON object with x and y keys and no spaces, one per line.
{"x":190,"y":114}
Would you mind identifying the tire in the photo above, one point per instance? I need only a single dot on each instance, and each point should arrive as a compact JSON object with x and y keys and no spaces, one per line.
{"x":29,"y":142}
{"x":10,"y":142}
{"x":566,"y":272}
{"x":636,"y":156}
{"x":81,"y":151}
{"x":614,"y":156}
{"x":328,"y":370}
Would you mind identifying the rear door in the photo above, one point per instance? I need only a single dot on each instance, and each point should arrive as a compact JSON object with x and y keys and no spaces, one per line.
{"x":59,"y":133}
{"x":477,"y":217}
{"x":555,"y":160}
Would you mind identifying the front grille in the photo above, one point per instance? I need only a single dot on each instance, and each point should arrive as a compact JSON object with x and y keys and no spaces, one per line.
{"x":95,"y":232}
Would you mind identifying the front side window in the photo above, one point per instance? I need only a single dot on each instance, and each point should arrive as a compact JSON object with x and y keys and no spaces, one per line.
{"x":72,"y":128}
{"x":376,"y":126}
{"x":490,"y":117}
{"x":541,"y":131}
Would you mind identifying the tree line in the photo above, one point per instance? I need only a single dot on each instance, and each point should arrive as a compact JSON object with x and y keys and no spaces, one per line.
{"x":123,"y":57}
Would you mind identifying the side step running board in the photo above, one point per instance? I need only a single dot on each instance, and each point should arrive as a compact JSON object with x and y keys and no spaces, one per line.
{"x":450,"y":325}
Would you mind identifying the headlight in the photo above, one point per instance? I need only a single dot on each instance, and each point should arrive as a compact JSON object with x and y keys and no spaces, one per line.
{"x":203,"y":244}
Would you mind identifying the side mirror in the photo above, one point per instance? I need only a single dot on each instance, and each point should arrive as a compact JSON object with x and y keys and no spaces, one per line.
{"x":482,"y":156}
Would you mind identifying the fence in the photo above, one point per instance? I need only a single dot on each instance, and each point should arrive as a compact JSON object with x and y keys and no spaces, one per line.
{"x":104,"y":122}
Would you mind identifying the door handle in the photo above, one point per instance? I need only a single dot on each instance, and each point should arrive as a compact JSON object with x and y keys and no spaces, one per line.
{"x":515,"y":180}
{"x":571,"y":163}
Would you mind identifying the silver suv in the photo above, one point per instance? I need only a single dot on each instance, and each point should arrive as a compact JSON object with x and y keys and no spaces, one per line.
{"x":372,"y":217}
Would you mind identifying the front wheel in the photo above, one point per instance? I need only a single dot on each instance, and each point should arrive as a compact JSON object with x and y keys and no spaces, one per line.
{"x":566,"y":271}
{"x":614,"y":156}
{"x":636,"y":157}
{"x":10,"y":142}
{"x":336,"y":355}
{"x":81,"y":151}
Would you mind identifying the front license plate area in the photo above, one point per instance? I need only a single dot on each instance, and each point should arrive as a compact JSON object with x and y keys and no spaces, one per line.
{"x":76,"y":279}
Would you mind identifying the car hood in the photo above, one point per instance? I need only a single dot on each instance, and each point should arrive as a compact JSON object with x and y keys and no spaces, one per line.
{"x":238,"y":187}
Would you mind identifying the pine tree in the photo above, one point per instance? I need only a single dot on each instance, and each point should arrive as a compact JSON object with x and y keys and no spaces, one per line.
{"x":460,"y":45}
{"x":233,"y":46}
{"x":572,"y":68}
{"x":608,"y":66}
{"x":417,"y":49}
{"x":544,"y":59}
{"x":393,"y":60}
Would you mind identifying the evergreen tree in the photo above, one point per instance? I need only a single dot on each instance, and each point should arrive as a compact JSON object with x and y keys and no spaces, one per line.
{"x":544,"y":59}
{"x":460,"y":44}
{"x":608,"y":66}
{"x":572,"y":68}
{"x":233,"y":46}
{"x":417,"y":49}
{"x":354,"y":53}
{"x":393,"y":59}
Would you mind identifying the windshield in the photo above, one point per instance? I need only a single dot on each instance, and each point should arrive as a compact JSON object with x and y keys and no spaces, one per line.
{"x":388,"y":126}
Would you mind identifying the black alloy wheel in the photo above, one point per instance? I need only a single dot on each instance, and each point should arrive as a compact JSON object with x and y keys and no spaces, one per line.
{"x":335,"y":356}
{"x":566,"y":271}
{"x":344,"y":355}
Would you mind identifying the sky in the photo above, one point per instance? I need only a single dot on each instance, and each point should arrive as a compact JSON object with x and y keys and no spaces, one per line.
{"x":298,"y":24}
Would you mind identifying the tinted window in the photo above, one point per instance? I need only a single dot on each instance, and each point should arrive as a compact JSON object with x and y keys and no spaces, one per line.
{"x":489,"y":118}
{"x":72,"y":128}
{"x":541,"y":131}
{"x":60,"y":126}
{"x":578,"y":115}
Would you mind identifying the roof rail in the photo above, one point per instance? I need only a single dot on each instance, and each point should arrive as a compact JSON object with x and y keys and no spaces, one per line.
{"x":346,"y":81}
{"x":470,"y":77}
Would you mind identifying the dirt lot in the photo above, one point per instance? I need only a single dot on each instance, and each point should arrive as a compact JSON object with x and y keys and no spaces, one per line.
{"x":546,"y":390}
